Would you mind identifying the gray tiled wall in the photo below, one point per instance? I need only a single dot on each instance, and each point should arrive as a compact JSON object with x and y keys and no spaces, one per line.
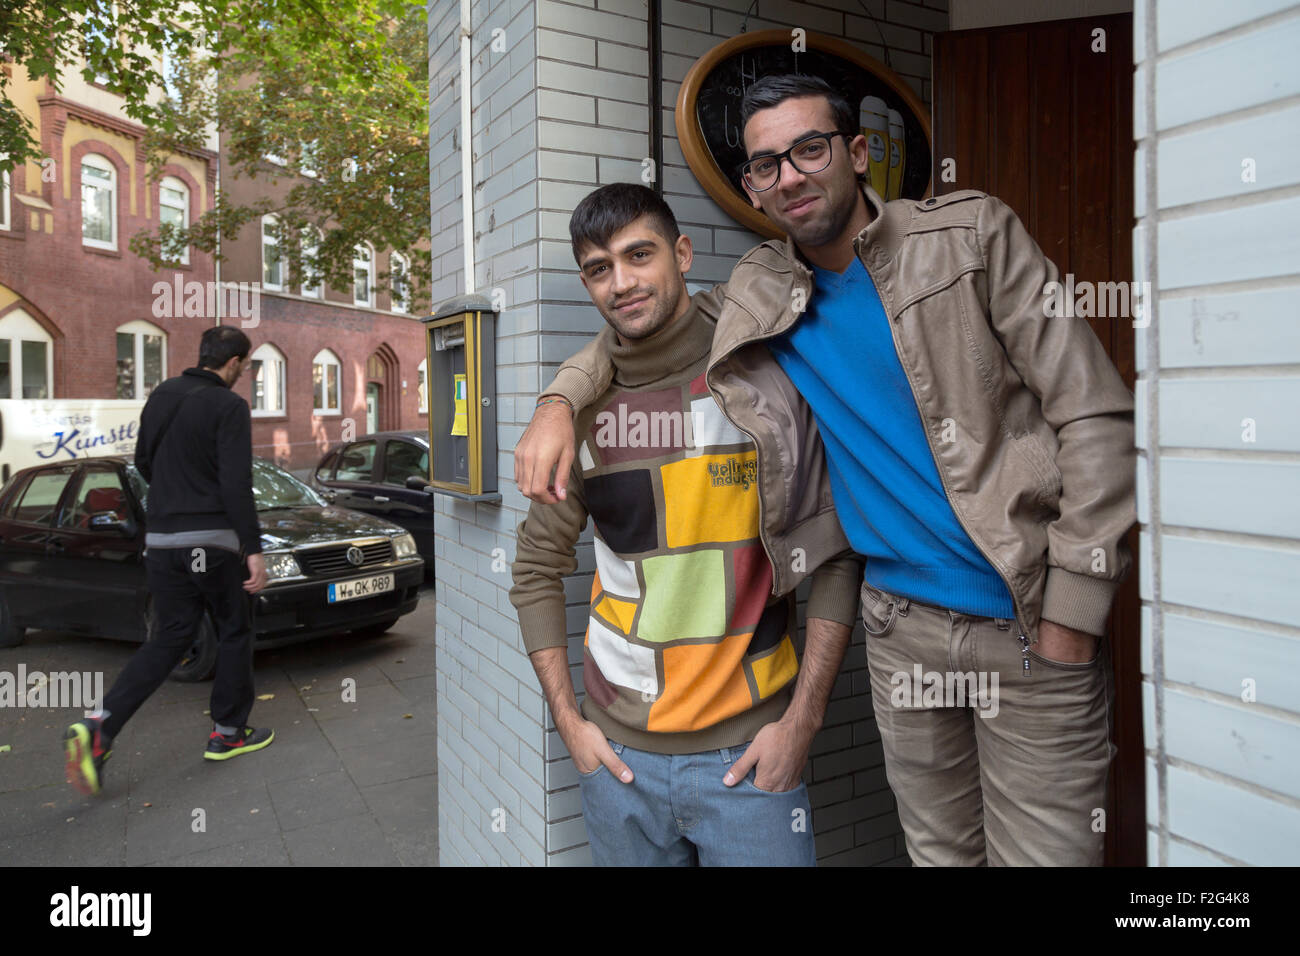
{"x":561,"y":110}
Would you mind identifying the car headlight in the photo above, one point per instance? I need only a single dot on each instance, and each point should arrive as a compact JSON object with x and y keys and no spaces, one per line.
{"x":282,"y":565}
{"x":404,"y":546}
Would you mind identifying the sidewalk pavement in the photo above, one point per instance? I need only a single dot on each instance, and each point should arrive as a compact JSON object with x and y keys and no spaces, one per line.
{"x":345,"y":783}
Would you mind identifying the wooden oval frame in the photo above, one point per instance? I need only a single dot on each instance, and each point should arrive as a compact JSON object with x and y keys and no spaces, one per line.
{"x":696,"y":149}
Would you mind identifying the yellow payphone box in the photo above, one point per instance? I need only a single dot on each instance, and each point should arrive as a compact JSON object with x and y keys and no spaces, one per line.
{"x":460,"y":346}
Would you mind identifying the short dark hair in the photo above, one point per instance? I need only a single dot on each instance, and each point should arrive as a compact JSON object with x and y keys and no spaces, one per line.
{"x":610,"y":208}
{"x":220,"y":344}
{"x":774,"y":90}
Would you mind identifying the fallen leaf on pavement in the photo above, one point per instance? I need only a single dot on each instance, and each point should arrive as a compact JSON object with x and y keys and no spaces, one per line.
{"x":265,"y":696}
{"x":4,"y":748}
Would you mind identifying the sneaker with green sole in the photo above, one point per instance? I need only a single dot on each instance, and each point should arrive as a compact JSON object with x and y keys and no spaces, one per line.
{"x":221,"y":747}
{"x":86,"y":749}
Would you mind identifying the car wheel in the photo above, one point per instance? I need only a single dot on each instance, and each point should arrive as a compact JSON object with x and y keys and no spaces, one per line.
{"x":11,"y":635}
{"x":375,"y":630}
{"x":200,"y":660}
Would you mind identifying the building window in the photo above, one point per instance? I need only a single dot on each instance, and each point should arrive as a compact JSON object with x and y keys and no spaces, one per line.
{"x":101,"y":33}
{"x":141,"y":358}
{"x":398,"y":282}
{"x":311,"y":242}
{"x":98,"y":202}
{"x":4,"y":199}
{"x":421,"y":378}
{"x":174,"y":210}
{"x":268,"y":380}
{"x":307,"y":158}
{"x":363,"y":276}
{"x":325,"y":379}
{"x":272,"y":263}
{"x":26,"y":358}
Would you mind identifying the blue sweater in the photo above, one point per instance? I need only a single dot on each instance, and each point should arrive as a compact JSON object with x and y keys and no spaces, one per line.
{"x":890,"y":499}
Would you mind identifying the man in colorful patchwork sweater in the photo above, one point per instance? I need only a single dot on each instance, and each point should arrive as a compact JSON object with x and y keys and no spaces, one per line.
{"x":697,"y":718}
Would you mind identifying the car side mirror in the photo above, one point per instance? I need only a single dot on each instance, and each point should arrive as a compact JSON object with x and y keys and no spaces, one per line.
{"x":417,"y":482}
{"x":109,"y":521}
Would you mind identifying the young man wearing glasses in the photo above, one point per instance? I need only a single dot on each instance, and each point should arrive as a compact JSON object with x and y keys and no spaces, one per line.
{"x":981,"y":457}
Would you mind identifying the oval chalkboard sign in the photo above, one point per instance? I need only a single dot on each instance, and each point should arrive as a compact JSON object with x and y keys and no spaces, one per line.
{"x":891,"y":116}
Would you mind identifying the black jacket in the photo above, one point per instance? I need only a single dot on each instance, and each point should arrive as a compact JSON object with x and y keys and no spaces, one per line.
{"x":201,"y":475}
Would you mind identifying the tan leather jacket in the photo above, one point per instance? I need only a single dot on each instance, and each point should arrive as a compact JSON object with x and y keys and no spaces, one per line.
{"x":1030,"y":425}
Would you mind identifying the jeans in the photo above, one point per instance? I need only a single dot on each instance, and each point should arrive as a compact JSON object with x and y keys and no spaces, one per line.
{"x":678,"y":812}
{"x":180,"y":595}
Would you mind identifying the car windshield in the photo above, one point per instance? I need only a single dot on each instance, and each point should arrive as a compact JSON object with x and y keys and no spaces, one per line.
{"x":275,"y":488}
{"x":272,"y":488}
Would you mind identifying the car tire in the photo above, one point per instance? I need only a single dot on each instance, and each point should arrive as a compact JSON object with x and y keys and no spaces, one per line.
{"x":11,"y":635}
{"x":200,"y":661}
{"x":375,"y":630}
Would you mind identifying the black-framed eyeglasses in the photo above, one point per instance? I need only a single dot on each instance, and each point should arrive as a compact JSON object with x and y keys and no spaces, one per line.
{"x":809,"y":155}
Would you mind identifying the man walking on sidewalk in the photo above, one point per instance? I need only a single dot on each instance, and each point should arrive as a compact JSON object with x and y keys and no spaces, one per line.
{"x":195,"y":450}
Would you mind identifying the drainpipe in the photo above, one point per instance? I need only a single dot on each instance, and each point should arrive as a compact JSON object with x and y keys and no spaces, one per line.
{"x":217,"y":199}
{"x":466,"y":154}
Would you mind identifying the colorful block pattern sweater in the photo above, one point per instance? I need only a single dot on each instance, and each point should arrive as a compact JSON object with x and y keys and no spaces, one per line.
{"x":685,"y":648}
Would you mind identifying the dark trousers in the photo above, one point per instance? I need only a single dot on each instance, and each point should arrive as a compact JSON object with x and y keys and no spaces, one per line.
{"x":180,"y":595}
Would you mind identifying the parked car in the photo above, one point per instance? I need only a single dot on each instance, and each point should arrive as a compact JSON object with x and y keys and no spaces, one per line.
{"x":384,"y":475}
{"x":72,"y":548}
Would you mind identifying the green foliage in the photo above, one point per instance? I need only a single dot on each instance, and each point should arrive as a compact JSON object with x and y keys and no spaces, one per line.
{"x":339,"y":89}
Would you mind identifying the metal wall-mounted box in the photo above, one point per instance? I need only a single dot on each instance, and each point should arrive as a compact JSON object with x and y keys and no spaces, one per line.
{"x":460,"y":345}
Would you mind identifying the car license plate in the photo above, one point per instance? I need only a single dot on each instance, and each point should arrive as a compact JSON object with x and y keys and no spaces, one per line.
{"x":360,"y":588}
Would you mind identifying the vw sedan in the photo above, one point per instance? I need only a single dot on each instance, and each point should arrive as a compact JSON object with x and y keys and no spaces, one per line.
{"x":72,"y":547}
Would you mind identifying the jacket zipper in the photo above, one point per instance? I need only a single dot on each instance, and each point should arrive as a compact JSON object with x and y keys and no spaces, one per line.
{"x":758,"y":449}
{"x":996,"y":565}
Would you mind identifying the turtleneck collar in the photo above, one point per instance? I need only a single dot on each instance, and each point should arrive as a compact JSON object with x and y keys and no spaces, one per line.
{"x":669,"y":351}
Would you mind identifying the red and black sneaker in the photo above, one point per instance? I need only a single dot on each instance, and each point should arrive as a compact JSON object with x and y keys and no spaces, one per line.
{"x":86,"y":748}
{"x":221,"y":747}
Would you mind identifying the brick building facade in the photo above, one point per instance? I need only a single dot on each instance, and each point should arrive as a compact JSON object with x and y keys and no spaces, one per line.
{"x":82,"y":316}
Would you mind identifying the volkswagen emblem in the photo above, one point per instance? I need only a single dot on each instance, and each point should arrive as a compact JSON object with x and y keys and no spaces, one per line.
{"x":356,"y":557}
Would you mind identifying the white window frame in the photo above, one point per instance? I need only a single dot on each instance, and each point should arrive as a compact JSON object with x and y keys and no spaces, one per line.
{"x":172,"y":183}
{"x":366,"y":262}
{"x":96,"y":161}
{"x":316,"y":291}
{"x":138,"y":329}
{"x":307,"y":158}
{"x":275,"y":241}
{"x":399,"y":304}
{"x":90,"y":27}
{"x":19,"y":327}
{"x":422,"y":380}
{"x":323,"y":359}
{"x":272,"y":358}
{"x":4,"y":198}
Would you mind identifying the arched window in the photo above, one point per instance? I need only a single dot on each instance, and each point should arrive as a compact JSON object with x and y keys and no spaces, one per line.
{"x":422,"y":380}
{"x":398,"y":282}
{"x":325,"y":379}
{"x":272,"y":264}
{"x":311,"y":243}
{"x":174,"y":209}
{"x":268,"y":367}
{"x":26,"y":358}
{"x":363,"y":276}
{"x":141,"y":358}
{"x":98,"y":202}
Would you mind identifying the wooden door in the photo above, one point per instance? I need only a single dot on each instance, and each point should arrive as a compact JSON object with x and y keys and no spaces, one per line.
{"x":1040,"y":116}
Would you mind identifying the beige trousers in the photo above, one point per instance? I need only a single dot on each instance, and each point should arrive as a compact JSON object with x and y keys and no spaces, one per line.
{"x":990,"y":764}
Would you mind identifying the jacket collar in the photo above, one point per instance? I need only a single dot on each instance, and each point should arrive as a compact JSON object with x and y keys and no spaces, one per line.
{"x":207,"y":374}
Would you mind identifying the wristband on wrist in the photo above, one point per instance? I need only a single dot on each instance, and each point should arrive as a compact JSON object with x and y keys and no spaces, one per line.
{"x":548,"y":401}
